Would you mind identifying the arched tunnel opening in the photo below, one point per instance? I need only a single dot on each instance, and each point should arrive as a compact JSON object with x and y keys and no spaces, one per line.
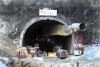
{"x":35,"y":34}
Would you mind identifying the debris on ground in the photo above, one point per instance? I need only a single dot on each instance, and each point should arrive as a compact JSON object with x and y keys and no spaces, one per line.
{"x":86,"y":60}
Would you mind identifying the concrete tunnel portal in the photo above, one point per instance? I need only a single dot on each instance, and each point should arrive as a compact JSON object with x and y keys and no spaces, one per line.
{"x":35,"y":34}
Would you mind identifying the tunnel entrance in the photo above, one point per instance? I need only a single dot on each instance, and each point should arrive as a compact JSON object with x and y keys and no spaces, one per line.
{"x":34,"y":34}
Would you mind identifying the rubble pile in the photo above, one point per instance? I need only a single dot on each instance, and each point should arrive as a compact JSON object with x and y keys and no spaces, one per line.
{"x":85,"y":59}
{"x":28,"y":57}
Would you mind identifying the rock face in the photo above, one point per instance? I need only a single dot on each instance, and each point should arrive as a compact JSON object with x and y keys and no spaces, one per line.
{"x":15,"y":14}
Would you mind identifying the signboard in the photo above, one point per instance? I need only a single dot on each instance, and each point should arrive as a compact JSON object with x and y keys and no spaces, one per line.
{"x":47,"y":12}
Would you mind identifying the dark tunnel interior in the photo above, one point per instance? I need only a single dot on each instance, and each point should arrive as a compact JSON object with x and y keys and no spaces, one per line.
{"x":82,"y":26}
{"x":46,"y":43}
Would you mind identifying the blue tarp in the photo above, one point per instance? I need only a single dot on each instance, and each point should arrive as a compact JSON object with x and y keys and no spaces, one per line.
{"x":2,"y":64}
{"x":93,"y":53}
